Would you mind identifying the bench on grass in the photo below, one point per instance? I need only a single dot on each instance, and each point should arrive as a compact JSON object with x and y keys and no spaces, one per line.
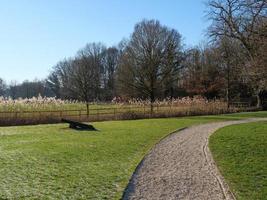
{"x":78,"y":125}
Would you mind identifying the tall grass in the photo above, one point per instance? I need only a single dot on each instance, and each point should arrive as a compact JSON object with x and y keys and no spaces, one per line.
{"x":40,"y":103}
{"x":51,"y":110}
{"x":35,"y":103}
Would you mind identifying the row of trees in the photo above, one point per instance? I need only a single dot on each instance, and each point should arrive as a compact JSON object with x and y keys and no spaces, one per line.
{"x":27,"y":89}
{"x":87,"y":77}
{"x":243,"y":22}
{"x":153,"y":64}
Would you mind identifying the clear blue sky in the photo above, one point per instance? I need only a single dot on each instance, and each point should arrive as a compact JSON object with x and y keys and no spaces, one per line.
{"x":36,"y":34}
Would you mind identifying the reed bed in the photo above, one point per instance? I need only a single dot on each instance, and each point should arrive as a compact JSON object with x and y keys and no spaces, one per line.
{"x":42,"y":110}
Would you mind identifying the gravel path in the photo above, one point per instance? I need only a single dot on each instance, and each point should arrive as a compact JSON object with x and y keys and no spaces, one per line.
{"x":181,"y":167}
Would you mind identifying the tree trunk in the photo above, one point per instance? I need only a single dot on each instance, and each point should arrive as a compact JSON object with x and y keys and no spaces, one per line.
{"x":87,"y":109}
{"x":151,"y":108}
{"x":152,"y":95}
{"x":228,"y":85}
{"x":227,"y":98}
{"x":228,"y":91}
{"x":258,"y":100}
{"x":152,"y":100}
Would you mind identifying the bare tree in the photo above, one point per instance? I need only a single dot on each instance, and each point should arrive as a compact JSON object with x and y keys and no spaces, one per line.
{"x":110,"y":63}
{"x":151,"y":57}
{"x":232,"y":59}
{"x":59,"y":79}
{"x":81,"y":78}
{"x":202,"y":74}
{"x":13,"y":89}
{"x":237,"y":19}
{"x":240,"y":20}
{"x":3,"y":87}
{"x":86,"y":76}
{"x":53,"y":82}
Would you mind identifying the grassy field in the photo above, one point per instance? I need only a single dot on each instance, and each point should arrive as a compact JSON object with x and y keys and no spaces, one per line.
{"x":53,"y":162}
{"x":240,"y":152}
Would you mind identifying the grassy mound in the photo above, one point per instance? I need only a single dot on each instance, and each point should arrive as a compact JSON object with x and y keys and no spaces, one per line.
{"x":241,"y":154}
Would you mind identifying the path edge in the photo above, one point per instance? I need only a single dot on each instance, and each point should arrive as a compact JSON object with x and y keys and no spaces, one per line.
{"x":215,"y":171}
{"x":126,"y":189}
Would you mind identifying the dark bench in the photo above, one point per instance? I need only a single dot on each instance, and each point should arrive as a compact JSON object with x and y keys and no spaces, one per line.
{"x":78,"y":125}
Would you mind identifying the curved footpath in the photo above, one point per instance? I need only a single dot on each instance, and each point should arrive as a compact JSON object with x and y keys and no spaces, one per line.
{"x":181,"y":167}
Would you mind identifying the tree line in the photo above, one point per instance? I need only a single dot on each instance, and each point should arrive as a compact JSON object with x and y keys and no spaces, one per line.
{"x":154,"y":64}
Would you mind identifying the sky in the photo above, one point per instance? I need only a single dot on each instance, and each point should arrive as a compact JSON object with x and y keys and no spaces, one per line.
{"x":36,"y":34}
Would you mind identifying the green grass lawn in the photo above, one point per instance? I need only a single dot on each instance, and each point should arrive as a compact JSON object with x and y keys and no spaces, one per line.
{"x":240,"y":152}
{"x":53,"y":162}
